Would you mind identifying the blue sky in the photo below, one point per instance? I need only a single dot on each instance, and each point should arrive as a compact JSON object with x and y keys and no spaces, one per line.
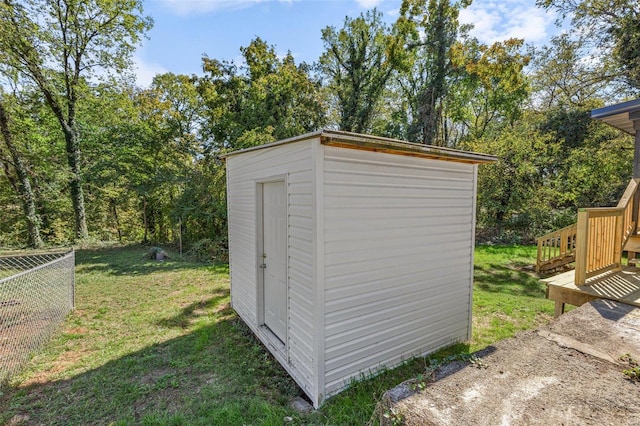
{"x":185,"y":30}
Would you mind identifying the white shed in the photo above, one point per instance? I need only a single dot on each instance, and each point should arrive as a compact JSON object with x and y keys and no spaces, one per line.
{"x":351,"y":252}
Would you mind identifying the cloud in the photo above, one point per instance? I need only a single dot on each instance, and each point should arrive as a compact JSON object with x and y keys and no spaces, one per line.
{"x":190,"y":7}
{"x":393,"y":13}
{"x":368,"y":4}
{"x":499,"y":20}
{"x":145,"y":71}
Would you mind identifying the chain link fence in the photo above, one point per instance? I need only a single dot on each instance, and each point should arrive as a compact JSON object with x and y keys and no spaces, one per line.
{"x":36,"y":294}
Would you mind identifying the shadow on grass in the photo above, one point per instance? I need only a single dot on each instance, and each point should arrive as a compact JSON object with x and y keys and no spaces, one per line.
{"x":498,"y":278}
{"x":195,"y":310}
{"x":132,"y":260}
{"x":217,"y":374}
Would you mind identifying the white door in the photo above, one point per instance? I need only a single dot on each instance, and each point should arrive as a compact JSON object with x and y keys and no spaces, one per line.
{"x":274,"y":262}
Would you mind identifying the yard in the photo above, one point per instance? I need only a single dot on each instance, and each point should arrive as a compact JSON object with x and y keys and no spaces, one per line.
{"x":157,"y":343}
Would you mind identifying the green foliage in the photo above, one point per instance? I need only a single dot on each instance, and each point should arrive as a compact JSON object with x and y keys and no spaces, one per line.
{"x":565,"y":75}
{"x":271,"y":97}
{"x":633,"y":372}
{"x":18,"y":177}
{"x":550,"y":164}
{"x":143,"y":163}
{"x":491,"y":86}
{"x":59,"y":46}
{"x":207,"y":250}
{"x":627,"y":47}
{"x":512,"y":196}
{"x":431,"y":28}
{"x":358,"y":61}
{"x":610,"y":26}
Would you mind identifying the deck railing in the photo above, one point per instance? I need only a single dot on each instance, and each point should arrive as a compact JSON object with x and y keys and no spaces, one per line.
{"x":595,"y":243}
{"x":627,"y":203}
{"x":601,"y":236}
{"x":557,"y":248}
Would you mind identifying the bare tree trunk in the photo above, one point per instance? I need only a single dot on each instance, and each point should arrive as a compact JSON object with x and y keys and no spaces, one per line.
{"x":7,"y":171}
{"x":114,"y":207}
{"x":75,"y":183}
{"x":430,"y":104}
{"x":144,"y":218}
{"x":41,"y":208}
{"x":24,"y":185}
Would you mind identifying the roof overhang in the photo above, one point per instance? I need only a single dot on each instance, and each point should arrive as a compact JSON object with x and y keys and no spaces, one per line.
{"x":350,"y":140}
{"x":621,"y":116}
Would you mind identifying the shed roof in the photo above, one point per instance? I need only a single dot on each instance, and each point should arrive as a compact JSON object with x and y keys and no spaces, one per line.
{"x":380,"y":144}
{"x":621,"y":116}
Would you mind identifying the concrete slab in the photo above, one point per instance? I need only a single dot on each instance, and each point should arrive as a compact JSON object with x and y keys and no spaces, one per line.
{"x":569,"y":372}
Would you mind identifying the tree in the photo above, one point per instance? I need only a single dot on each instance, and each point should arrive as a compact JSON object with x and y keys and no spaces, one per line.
{"x":22,"y":184}
{"x":611,"y":26}
{"x":563,"y":76}
{"x":514,"y":194}
{"x":358,"y":62}
{"x":139,"y":163}
{"x":491,"y":86}
{"x":272,"y":97}
{"x":432,"y":29}
{"x":59,"y":46}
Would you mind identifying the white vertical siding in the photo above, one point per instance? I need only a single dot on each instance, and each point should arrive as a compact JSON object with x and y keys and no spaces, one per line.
{"x":301,"y":306}
{"x":243,"y":173}
{"x":398,"y":258}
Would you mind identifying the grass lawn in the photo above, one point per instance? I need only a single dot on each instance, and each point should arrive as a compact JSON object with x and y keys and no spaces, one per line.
{"x":156,"y":343}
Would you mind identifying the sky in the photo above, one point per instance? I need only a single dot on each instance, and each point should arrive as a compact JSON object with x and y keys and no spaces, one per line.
{"x":185,"y":30}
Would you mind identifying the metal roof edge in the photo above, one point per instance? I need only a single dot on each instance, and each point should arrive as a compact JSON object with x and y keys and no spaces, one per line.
{"x":620,"y":108}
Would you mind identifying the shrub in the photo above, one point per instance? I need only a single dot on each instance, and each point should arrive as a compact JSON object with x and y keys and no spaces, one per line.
{"x":208,"y":250}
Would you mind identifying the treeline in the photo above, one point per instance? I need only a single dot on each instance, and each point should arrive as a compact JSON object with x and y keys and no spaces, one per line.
{"x":86,"y":154}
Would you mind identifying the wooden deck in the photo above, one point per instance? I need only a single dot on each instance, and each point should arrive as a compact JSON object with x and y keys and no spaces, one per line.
{"x":622,"y":286}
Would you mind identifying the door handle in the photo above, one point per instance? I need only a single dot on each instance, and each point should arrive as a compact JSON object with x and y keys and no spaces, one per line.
{"x":263,"y":266}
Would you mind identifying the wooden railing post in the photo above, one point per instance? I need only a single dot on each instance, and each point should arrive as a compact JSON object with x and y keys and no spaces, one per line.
{"x":635,"y":204}
{"x":617,"y":245}
{"x":582,"y":239}
{"x":539,"y":260}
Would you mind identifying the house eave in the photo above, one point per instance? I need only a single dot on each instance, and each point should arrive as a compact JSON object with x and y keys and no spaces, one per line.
{"x":621,"y":116}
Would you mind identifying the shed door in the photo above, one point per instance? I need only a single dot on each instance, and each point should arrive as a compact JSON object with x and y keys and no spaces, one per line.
{"x":274,"y":264}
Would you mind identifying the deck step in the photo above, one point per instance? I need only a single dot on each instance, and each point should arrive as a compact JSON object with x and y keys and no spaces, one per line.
{"x":633,"y":243}
{"x":556,"y":263}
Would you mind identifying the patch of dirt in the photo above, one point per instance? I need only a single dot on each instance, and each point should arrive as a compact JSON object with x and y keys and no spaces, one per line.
{"x":22,"y":333}
{"x":523,"y":267}
{"x":64,"y":361}
{"x":569,"y":372}
{"x":481,"y":323}
{"x":222,"y":307}
{"x":77,"y":330}
{"x":153,"y":376}
{"x":18,"y":419}
{"x":167,"y":401}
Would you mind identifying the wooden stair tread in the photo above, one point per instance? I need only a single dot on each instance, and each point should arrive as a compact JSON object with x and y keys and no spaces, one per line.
{"x":633,"y":243}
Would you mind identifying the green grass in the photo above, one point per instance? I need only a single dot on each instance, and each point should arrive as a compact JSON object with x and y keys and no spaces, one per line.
{"x":156,"y":343}
{"x":507,"y":297}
